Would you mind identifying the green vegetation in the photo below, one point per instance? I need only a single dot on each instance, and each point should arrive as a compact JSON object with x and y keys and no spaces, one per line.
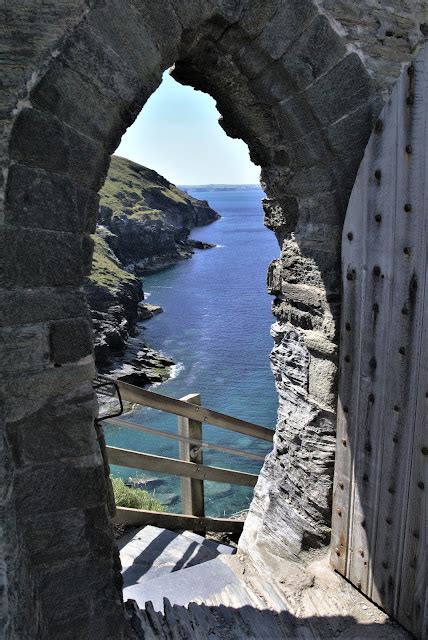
{"x":134,"y":498}
{"x":136,"y":192}
{"x":107,"y":271}
{"x":130,"y":187}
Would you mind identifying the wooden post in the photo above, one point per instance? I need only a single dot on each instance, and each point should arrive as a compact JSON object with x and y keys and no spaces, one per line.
{"x":192,"y":491}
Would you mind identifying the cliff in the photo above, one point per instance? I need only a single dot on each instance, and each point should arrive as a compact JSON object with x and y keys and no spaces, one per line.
{"x":149,"y":218}
{"x":143,"y":225}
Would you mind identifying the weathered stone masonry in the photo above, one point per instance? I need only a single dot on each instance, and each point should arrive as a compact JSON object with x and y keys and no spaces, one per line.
{"x":301,"y":83}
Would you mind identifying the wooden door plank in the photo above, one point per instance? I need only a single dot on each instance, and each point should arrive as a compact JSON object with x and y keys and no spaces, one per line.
{"x":377,"y":267}
{"x":379,"y":536}
{"x":386,"y":525}
{"x":412,"y":601}
{"x":404,"y":353}
{"x":350,"y":343}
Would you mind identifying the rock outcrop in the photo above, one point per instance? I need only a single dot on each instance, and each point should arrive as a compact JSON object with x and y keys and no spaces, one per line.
{"x":144,"y":224}
{"x":148,"y":218}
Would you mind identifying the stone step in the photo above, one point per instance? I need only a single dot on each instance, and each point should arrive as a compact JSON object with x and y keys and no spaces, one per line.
{"x":199,"y":622}
{"x":197,"y":583}
{"x":152,"y":552}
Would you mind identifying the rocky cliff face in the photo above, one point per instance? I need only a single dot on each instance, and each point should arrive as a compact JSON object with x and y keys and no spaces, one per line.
{"x":144,"y":224}
{"x":149,"y":219}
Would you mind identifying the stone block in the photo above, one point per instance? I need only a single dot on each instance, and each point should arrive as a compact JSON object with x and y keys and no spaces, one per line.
{"x":192,"y":11}
{"x":164,"y":27}
{"x":349,"y":136}
{"x":34,"y":258}
{"x":37,"y":199}
{"x":54,"y":432}
{"x":88,"y":55}
{"x":340,"y":91}
{"x":304,"y":295}
{"x":99,"y":530}
{"x":84,"y":576}
{"x":285,"y":27}
{"x":257,"y":14}
{"x":40,"y":140}
{"x":131,"y":39}
{"x":318,"y":49}
{"x":323,"y":381}
{"x":273,"y":84}
{"x":88,"y":207}
{"x":56,"y":537}
{"x":24,"y":348}
{"x":107,"y":619}
{"x":310,"y":150}
{"x":21,"y":307}
{"x":88,"y":160}
{"x":77,"y":483}
{"x":79,"y":104}
{"x":319,"y":177}
{"x":252,"y":60}
{"x":72,"y":626}
{"x":70,"y":340}
{"x":88,"y":245}
{"x":295,"y":119}
{"x":35,"y":389}
{"x":99,"y":617}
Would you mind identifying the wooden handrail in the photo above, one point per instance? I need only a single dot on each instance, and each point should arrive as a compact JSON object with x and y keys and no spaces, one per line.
{"x":128,"y":424}
{"x":149,"y":462}
{"x":175,"y":521}
{"x":156,"y":401}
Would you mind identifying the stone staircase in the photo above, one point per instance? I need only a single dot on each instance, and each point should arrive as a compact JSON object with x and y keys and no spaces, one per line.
{"x":181,"y":586}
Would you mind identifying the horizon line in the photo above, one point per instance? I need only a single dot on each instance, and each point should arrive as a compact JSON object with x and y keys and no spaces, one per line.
{"x":220,"y":184}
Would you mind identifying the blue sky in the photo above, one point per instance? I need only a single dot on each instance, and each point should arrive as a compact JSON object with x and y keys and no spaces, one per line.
{"x":177,"y":134}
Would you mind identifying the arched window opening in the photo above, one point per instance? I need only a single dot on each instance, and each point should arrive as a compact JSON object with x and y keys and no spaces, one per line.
{"x":213,"y":335}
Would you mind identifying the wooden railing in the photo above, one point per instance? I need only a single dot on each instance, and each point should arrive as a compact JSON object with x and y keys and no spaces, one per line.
{"x":191,"y":416}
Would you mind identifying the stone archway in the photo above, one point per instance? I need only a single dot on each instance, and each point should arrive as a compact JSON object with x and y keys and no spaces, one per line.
{"x":301,"y":84}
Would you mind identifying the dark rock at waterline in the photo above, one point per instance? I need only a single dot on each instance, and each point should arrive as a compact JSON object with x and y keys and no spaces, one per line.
{"x":140,"y":366}
{"x":147,"y":484}
{"x":199,"y":244}
{"x":144,"y":224}
{"x":147,"y":311}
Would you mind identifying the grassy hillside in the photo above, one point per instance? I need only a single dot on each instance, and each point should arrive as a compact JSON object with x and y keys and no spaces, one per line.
{"x":107,"y":271}
{"x":131,"y":188}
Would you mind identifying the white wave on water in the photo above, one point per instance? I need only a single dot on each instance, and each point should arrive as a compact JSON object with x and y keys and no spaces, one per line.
{"x":176,"y":369}
{"x":147,"y":294}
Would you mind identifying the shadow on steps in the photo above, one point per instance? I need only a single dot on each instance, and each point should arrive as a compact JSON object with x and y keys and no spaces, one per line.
{"x":202,"y":622}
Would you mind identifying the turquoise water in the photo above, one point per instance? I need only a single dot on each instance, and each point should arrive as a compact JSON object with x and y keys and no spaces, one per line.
{"x":215,"y":325}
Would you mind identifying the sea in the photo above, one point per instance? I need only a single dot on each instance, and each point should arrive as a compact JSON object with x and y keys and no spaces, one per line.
{"x":216,"y":327}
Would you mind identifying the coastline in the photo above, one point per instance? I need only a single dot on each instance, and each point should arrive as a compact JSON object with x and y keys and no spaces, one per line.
{"x":143,"y":227}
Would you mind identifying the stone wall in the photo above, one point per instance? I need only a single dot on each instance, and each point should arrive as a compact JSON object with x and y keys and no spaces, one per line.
{"x":301,"y":84}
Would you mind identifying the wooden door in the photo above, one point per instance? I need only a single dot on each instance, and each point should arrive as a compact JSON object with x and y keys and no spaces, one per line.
{"x":380,"y":516}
